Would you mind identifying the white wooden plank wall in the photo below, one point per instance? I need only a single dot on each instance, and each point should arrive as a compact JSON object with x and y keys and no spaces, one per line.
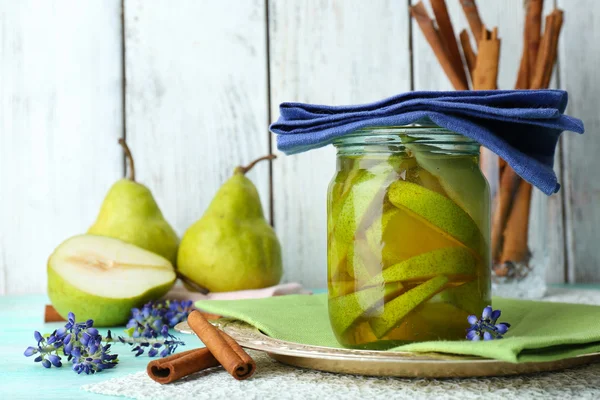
{"x":203,"y":79}
{"x":60,"y":117}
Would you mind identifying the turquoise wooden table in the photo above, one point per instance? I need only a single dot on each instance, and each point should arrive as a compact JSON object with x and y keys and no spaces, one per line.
{"x":21,"y":378}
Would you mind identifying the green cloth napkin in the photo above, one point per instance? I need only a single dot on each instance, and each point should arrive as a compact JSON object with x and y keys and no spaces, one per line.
{"x":540,"y":331}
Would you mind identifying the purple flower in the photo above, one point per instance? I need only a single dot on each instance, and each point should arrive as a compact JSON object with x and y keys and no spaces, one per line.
{"x":30,"y":351}
{"x":486,"y":328}
{"x":55,"y":360}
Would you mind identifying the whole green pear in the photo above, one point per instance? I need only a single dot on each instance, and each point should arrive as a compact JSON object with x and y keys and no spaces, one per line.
{"x":130,"y":213}
{"x":232,"y":247}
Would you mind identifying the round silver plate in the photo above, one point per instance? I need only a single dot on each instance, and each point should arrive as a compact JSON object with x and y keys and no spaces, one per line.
{"x":382,"y":363}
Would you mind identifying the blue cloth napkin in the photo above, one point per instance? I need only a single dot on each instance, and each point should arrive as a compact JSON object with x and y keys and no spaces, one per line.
{"x":521,"y":126}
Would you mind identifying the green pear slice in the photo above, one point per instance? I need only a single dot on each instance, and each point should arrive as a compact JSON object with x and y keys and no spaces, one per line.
{"x":400,"y":234}
{"x":461,"y":179}
{"x":361,"y":262}
{"x":345,"y":310}
{"x":102,"y":278}
{"x":395,"y":310}
{"x":471,"y":297}
{"x":362,"y":204}
{"x":439,"y":211}
{"x":447,"y":261}
{"x":430,"y":181}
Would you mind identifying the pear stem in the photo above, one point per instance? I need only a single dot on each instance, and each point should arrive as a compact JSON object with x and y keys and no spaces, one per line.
{"x":123,"y":144}
{"x":248,"y":167}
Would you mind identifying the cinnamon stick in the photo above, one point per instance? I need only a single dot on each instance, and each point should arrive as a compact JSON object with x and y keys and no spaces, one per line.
{"x":556,"y":28}
{"x":486,"y":68}
{"x":51,"y":315}
{"x":524,"y":75}
{"x":504,"y":197}
{"x":547,"y":51}
{"x":515,"y":247}
{"x":533,"y":28}
{"x":177,"y":366}
{"x":472,"y":14}
{"x":468,"y":52}
{"x":419,"y":13}
{"x":226,"y":350}
{"x":446,"y":31}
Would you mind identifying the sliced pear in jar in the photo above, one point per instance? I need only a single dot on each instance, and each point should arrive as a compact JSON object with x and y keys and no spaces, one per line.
{"x":461,"y":179}
{"x":456,"y":263}
{"x":361,"y":262}
{"x":440,"y":212}
{"x":359,"y":208}
{"x":346,"y":310}
{"x":399,"y":234}
{"x":398,"y":308}
{"x":472,"y":297}
{"x":102,"y":278}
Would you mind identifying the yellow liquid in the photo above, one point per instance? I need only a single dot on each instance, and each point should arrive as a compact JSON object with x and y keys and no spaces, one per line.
{"x":406,"y":261}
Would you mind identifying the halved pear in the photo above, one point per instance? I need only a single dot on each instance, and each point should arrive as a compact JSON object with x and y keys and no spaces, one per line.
{"x":441,"y":213}
{"x":395,"y":310}
{"x":449,"y":261}
{"x":345,"y":310}
{"x":102,"y":278}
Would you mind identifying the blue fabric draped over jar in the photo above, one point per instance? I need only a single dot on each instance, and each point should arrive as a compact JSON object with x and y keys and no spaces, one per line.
{"x":521,"y":126}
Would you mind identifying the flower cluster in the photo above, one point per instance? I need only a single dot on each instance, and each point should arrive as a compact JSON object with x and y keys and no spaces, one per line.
{"x":80,"y":342}
{"x":89,"y":352}
{"x":153,"y":321}
{"x":165,"y":346}
{"x":154,"y":315}
{"x":486,"y":328}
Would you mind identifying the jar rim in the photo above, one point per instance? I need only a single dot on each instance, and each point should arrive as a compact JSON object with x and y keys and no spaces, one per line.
{"x":425,"y":131}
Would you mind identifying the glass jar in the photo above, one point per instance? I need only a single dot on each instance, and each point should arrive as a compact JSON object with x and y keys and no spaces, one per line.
{"x":408,"y":236}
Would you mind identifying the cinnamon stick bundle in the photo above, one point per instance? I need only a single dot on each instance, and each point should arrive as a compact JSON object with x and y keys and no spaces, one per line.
{"x":432,"y":35}
{"x":177,"y":366}
{"x":224,"y":349}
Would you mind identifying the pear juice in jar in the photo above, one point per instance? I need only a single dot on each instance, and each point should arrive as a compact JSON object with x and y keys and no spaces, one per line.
{"x":408,"y":237}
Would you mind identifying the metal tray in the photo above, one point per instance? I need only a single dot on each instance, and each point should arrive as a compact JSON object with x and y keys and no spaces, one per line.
{"x":383,"y":363}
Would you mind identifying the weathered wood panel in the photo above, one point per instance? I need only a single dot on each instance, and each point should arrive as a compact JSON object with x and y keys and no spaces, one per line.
{"x":196,"y":99}
{"x":579,"y":59}
{"x":333,"y":52}
{"x":60,"y":117}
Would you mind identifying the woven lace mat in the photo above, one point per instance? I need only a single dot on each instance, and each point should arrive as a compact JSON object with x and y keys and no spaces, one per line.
{"x":277,"y":381}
